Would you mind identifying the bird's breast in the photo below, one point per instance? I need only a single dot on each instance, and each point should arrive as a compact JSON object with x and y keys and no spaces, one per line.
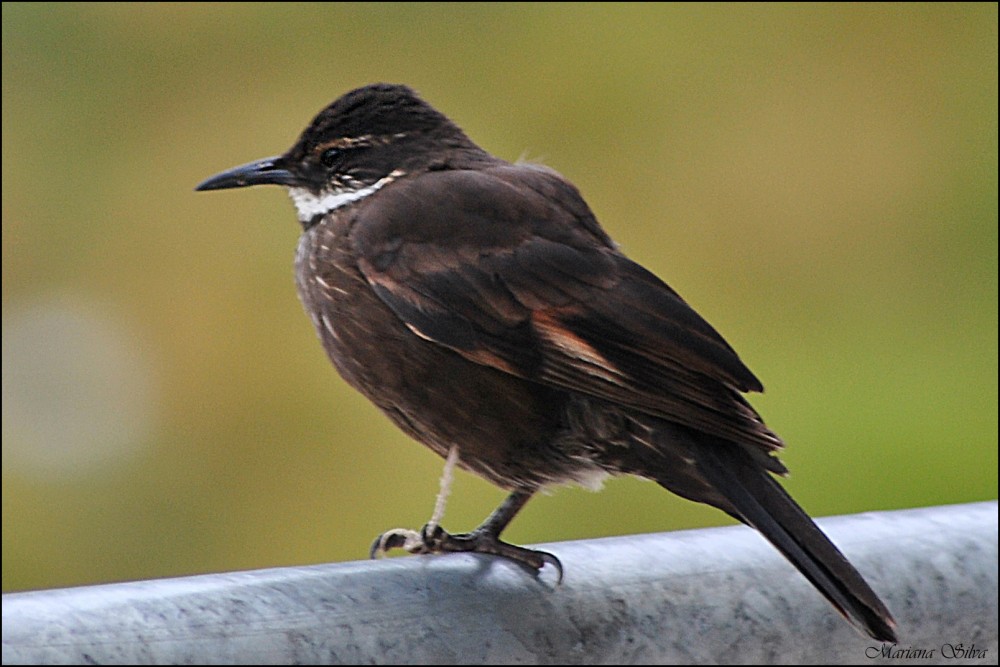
{"x":504,"y":426}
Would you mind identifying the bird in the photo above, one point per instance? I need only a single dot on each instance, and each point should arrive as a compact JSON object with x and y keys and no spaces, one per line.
{"x":481,"y":306}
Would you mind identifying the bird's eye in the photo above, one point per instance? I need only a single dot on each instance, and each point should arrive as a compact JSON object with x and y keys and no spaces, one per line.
{"x":330,"y":157}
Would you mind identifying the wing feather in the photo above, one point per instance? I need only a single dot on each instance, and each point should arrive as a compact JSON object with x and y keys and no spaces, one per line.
{"x":483,"y":262}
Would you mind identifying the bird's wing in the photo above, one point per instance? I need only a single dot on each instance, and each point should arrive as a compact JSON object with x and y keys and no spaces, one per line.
{"x":508,"y":268}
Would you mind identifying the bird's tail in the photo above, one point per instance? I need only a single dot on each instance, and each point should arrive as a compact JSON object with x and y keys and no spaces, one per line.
{"x":753,"y":496}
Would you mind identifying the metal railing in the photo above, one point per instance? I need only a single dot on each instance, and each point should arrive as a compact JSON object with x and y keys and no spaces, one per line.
{"x":718,"y":595}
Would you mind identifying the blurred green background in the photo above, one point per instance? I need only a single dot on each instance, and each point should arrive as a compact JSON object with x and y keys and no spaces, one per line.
{"x":819,"y":181}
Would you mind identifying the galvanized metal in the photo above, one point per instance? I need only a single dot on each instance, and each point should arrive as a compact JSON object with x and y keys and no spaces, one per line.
{"x":717,"y":595}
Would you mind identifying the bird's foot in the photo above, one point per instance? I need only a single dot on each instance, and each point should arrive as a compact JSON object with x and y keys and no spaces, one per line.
{"x":432,"y":539}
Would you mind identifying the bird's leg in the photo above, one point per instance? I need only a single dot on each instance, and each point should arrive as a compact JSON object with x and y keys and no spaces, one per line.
{"x":412,"y":540}
{"x":485,"y":539}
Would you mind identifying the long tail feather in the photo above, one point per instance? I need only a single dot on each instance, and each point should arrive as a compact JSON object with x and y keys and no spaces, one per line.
{"x":759,"y":501}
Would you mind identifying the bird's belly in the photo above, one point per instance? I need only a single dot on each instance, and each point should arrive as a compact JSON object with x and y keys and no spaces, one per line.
{"x":507,"y":429}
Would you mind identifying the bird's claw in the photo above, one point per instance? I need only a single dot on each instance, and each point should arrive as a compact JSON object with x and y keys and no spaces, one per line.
{"x":398,"y":538}
{"x":432,"y":539}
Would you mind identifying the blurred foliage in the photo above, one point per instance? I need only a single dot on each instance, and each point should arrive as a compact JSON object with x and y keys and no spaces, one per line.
{"x":819,"y":181}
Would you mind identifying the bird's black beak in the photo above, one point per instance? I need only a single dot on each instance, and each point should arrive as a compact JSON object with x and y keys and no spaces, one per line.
{"x":262,"y":172}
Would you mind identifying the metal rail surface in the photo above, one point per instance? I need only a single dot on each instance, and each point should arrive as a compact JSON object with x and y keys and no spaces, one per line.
{"x":718,"y":595}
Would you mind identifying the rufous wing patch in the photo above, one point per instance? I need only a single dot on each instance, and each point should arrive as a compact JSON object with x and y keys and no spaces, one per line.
{"x":570,"y":344}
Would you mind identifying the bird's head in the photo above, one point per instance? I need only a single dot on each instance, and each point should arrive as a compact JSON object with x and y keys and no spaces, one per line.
{"x":361,"y":142}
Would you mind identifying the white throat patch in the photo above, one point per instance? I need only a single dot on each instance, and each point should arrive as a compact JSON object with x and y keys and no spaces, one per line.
{"x":309,"y":204}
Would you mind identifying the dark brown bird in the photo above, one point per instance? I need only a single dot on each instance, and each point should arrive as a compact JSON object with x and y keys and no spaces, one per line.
{"x":482,"y":307}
